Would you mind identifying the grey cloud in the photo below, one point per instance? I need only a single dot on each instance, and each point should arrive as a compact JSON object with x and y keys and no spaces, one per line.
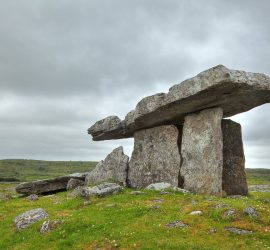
{"x":65,"y":64}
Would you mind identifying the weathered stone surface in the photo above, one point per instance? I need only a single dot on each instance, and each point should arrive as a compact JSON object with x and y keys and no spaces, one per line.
{"x":235,"y":230}
{"x":159,"y":186}
{"x":32,"y":197}
{"x":155,"y":157}
{"x":201,"y":152}
{"x":198,"y":212}
{"x":251,"y":211}
{"x":176,"y":223}
{"x":101,"y":190}
{"x":113,"y":168}
{"x":50,"y":225}
{"x":73,"y":183}
{"x":233,"y":173}
{"x":232,"y":90}
{"x":46,"y":186}
{"x":26,"y":219}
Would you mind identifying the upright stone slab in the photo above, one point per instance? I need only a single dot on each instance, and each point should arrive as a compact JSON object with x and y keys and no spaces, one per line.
{"x":233,"y":175}
{"x":113,"y":168}
{"x":155,"y":157}
{"x":201,"y":151}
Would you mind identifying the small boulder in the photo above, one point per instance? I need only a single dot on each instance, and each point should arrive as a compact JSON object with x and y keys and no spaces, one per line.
{"x":196,"y":212}
{"x":251,"y":211}
{"x":73,"y":183}
{"x":237,"y":230}
{"x":136,"y":192}
{"x":32,"y":197}
{"x":49,"y":225}
{"x":101,"y":190}
{"x":26,"y":219}
{"x":176,"y":224}
{"x":159,"y":186}
{"x":181,"y":190}
{"x":221,"y":205}
{"x":230,"y":213}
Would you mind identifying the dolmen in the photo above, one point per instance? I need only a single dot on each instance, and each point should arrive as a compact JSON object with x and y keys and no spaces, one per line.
{"x":182,"y":138}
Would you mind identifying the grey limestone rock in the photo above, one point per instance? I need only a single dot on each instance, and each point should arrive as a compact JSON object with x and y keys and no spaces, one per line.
{"x":233,"y":173}
{"x":234,"y":91}
{"x":251,"y":211}
{"x":114,"y":168}
{"x":46,"y":186}
{"x":235,"y":230}
{"x":26,"y":219}
{"x":201,"y":152}
{"x":73,"y":183}
{"x":155,"y":157}
{"x":50,"y":225}
{"x":101,"y":190}
{"x":159,"y":186}
{"x":32,"y":197}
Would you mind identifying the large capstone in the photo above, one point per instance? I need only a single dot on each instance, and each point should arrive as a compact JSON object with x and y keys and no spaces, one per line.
{"x":233,"y":176}
{"x":114,"y":168}
{"x":201,"y":152}
{"x":232,"y":90}
{"x":155,"y":157}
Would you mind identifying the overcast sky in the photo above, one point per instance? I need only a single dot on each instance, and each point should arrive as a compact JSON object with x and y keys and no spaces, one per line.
{"x":66,"y":64}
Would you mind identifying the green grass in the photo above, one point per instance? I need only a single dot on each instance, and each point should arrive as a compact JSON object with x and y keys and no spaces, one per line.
{"x":258,"y":176}
{"x":133,"y":223}
{"x":27,"y":170}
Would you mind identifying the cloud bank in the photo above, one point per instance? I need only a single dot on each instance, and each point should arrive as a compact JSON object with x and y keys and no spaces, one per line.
{"x":66,"y":64}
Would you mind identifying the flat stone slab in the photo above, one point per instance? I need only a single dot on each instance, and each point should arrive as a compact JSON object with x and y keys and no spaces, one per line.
{"x":233,"y":173}
{"x":232,"y":90}
{"x":201,"y":152}
{"x":30,"y":217}
{"x":155,"y":157}
{"x":49,"y":185}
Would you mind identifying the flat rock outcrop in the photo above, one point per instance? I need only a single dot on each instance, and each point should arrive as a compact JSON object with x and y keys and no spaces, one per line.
{"x":30,"y":217}
{"x":155,"y":157}
{"x":201,"y":152}
{"x":233,"y":173}
{"x":101,"y":190}
{"x":113,"y":168}
{"x":233,"y":91}
{"x":47,"y":186}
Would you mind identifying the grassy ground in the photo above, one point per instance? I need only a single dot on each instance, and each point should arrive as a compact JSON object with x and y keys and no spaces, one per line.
{"x":125,"y":221}
{"x":27,"y":170}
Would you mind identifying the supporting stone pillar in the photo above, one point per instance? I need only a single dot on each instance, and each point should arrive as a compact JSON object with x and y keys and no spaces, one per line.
{"x":155,"y":157}
{"x":201,"y":151}
{"x":233,"y":176}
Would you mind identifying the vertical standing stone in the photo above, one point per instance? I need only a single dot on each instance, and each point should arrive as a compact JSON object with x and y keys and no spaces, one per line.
{"x":233,"y":175}
{"x":155,"y":157}
{"x":202,"y":156}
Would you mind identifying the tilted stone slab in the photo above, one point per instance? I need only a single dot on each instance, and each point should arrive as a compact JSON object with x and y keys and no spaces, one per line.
{"x":232,"y":90}
{"x":201,"y":151}
{"x":155,"y":157}
{"x":233,"y":173}
{"x":113,"y":168}
{"x":49,"y":185}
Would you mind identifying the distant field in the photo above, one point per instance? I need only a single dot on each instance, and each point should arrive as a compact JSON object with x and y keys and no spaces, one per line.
{"x":258,"y":176}
{"x":27,"y":170}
